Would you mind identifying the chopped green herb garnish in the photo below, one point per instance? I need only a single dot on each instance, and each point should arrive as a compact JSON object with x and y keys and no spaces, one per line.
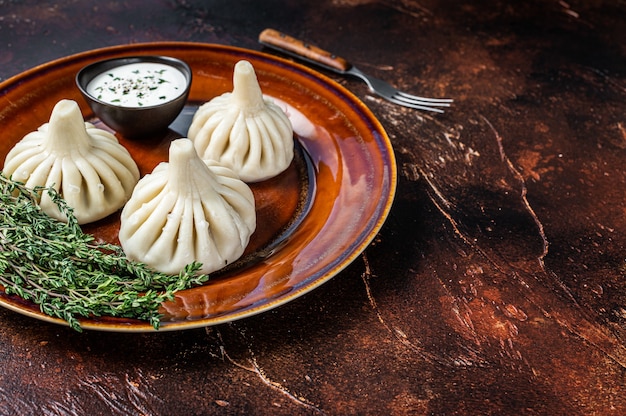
{"x":130,"y":83}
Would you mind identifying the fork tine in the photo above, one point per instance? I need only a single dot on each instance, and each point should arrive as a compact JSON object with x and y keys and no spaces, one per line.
{"x":420,"y":101}
{"x":424,"y":99}
{"x":413,"y":104}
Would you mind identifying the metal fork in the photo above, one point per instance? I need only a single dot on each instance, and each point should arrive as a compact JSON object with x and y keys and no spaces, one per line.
{"x":312,"y":54}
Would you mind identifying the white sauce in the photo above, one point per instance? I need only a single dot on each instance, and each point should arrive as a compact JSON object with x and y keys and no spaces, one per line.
{"x":140,"y":84}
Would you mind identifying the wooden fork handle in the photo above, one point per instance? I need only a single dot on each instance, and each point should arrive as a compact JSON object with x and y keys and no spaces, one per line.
{"x":303,"y":50}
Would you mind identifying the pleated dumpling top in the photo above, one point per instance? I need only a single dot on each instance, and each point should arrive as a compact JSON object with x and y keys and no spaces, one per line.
{"x":188,"y":210}
{"x":244,"y":130}
{"x":89,"y":168}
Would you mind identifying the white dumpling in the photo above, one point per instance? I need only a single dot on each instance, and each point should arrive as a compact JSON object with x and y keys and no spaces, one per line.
{"x":244,"y":130}
{"x":89,"y":168}
{"x":188,"y":210}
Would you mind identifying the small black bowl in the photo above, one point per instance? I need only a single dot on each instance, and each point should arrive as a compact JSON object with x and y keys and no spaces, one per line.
{"x":135,"y":122}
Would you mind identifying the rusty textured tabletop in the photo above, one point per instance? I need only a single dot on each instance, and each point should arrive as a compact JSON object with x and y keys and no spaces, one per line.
{"x":497,"y":285}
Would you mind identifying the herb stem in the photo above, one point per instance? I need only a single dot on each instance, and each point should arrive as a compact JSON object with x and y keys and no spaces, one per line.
{"x":69,"y":276}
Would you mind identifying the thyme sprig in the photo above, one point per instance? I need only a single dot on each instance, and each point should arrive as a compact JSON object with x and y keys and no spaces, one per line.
{"x":67,"y":273}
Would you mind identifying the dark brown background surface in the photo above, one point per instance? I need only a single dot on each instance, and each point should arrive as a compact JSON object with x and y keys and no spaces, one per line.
{"x":497,"y":285}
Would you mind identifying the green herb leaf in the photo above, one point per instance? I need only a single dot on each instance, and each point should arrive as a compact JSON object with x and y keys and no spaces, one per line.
{"x":64,"y":271}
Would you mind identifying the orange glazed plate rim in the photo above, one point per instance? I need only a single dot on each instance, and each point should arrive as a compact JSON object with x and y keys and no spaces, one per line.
{"x":349,"y":164}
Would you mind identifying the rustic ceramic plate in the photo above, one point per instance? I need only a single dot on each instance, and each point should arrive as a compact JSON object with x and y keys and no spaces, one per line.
{"x":313,"y":220}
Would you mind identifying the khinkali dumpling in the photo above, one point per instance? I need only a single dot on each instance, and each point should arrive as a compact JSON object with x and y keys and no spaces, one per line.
{"x":188,"y":210}
{"x":89,"y":168}
{"x":244,"y":130}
